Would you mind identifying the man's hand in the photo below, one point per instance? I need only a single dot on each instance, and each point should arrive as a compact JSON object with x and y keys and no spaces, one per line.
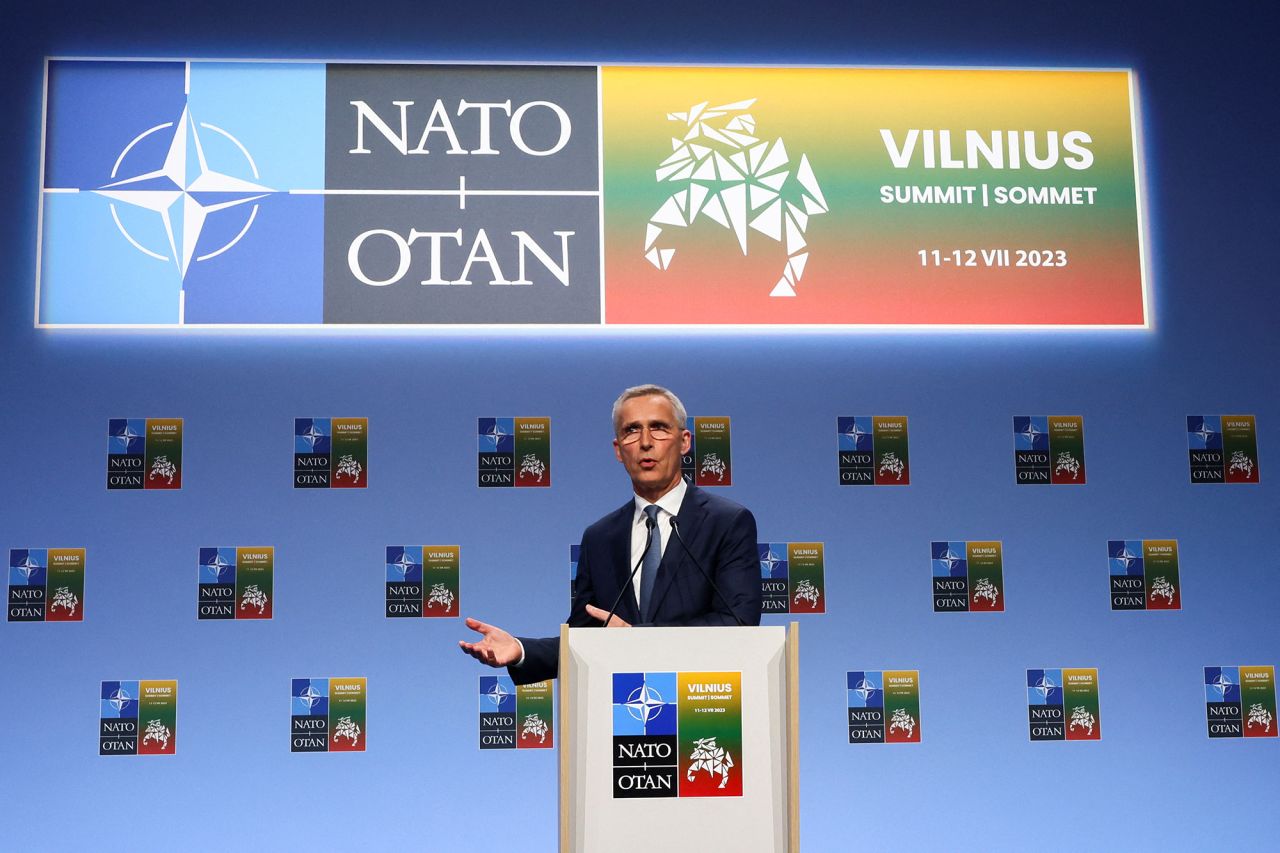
{"x":600,"y":615}
{"x":498,"y":648}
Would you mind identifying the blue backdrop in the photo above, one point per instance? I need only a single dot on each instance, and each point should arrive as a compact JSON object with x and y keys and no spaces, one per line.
{"x":1154,"y":781}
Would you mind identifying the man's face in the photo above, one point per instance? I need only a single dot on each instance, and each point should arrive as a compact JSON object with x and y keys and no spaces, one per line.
{"x":652,"y":460}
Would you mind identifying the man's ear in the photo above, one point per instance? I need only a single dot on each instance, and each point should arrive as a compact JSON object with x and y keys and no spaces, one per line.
{"x":686,"y":441}
{"x":617,"y":450}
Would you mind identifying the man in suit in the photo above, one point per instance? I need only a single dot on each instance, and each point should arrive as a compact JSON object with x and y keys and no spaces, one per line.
{"x":670,"y":589}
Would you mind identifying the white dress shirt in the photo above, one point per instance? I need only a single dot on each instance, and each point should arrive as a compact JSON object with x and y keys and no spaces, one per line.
{"x":668,"y":507}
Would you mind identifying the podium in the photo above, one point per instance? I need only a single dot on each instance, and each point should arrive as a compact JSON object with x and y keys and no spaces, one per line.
{"x":679,"y":739}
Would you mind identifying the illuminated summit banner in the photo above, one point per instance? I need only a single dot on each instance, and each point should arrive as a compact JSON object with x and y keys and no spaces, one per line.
{"x":309,"y":194}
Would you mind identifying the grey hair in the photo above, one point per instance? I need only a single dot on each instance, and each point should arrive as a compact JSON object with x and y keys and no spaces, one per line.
{"x":682,"y":417}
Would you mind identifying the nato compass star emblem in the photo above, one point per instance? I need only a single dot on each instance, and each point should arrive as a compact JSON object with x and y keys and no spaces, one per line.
{"x":1031,"y":433}
{"x":27,"y":568}
{"x":1126,"y":558}
{"x":312,"y":435}
{"x":495,"y":434}
{"x":119,"y":698}
{"x":1222,"y":684}
{"x":497,"y":693}
{"x":855,"y":433}
{"x":1205,"y":434}
{"x":310,"y":697}
{"x":217,"y":566}
{"x":770,"y":562}
{"x":865,"y":688}
{"x":1044,"y":686}
{"x":644,"y":703}
{"x":184,"y":191}
{"x":404,"y":564}
{"x":126,"y":438}
{"x":951,"y":558}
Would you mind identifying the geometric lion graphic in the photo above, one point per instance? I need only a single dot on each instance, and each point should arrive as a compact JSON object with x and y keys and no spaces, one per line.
{"x":162,"y":467}
{"x":534,"y":726}
{"x":727,"y":174}
{"x":1161,"y":588}
{"x":891,"y":464}
{"x":1081,"y":717}
{"x":1259,"y":716}
{"x":713,"y":464}
{"x":64,"y":597}
{"x":1241,"y":462}
{"x":348,"y":729}
{"x":984,"y":588}
{"x":806,"y":591}
{"x":711,"y":758}
{"x":254,"y":597}
{"x":348,"y":465}
{"x":530,"y":464}
{"x":1068,"y":463}
{"x":158,"y":732}
{"x":902,"y":720}
{"x":440,"y":594}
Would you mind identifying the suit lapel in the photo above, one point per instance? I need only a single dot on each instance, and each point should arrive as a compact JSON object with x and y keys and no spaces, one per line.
{"x":620,"y":544}
{"x":674,"y":557}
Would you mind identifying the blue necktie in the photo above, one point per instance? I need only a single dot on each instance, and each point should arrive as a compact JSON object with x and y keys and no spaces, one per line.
{"x":649,"y":569}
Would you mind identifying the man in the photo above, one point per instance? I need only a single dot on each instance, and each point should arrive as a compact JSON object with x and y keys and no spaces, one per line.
{"x":710,"y":531}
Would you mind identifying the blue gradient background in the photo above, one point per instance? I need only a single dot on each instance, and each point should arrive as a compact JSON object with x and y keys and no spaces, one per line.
{"x":1154,"y":782}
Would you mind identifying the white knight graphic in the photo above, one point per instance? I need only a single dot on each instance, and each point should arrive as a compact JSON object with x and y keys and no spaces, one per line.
{"x":530,"y":464}
{"x":1241,"y":462}
{"x":1161,"y":588}
{"x":806,"y":591}
{"x":162,"y":467}
{"x":158,"y":732}
{"x":534,"y":726}
{"x":440,"y":594}
{"x":714,"y":759}
{"x":1067,"y":462}
{"x":727,"y":174}
{"x":253,"y":597}
{"x":1081,"y":718}
{"x":902,"y":720}
{"x":65,"y":598}
{"x":1259,"y":716}
{"x":713,"y":464}
{"x":348,"y":729}
{"x":891,"y":464}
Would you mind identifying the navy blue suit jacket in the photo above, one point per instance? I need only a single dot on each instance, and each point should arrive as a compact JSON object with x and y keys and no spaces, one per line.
{"x":718,"y":532}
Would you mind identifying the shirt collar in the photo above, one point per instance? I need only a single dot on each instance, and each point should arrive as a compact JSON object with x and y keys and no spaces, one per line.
{"x":669,"y":503}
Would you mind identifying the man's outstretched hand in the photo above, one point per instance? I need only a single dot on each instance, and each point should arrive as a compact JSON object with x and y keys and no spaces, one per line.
{"x":497,"y":648}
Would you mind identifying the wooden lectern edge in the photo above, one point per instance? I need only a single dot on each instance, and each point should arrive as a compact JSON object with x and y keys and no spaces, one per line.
{"x":793,"y":738}
{"x":562,"y":721}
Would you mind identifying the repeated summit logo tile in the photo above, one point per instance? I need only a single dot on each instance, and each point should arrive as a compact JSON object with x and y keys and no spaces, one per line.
{"x":1144,"y":574}
{"x":515,"y":716}
{"x":884,"y":706}
{"x":46,"y":584}
{"x":144,"y":453}
{"x":513,"y":452}
{"x":709,"y":461}
{"x":1240,"y":701}
{"x":1223,"y":448}
{"x":423,"y":580}
{"x":677,"y":734}
{"x":1048,"y":449}
{"x":873,"y":451}
{"x":328,"y":715}
{"x":1062,"y":704}
{"x":236,"y":583}
{"x":138,"y":718}
{"x":792,"y":577}
{"x":330,"y":453}
{"x":967,"y":576}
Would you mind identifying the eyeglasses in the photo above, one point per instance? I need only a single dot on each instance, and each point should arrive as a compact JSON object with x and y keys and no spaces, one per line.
{"x":658,"y":432}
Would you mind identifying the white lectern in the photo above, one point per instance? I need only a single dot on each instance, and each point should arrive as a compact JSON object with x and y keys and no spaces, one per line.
{"x":681,"y":739}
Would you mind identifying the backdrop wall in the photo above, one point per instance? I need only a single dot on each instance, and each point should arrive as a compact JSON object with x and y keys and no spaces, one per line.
{"x":975,"y":782}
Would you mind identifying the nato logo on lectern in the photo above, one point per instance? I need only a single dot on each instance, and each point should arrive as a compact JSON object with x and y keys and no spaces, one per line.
{"x":677,"y":734}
